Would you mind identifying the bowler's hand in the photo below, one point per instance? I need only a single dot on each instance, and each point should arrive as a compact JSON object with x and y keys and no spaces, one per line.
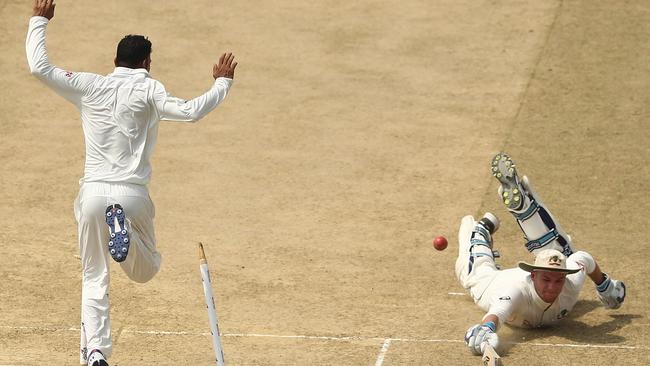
{"x":226,"y":67}
{"x":44,"y":8}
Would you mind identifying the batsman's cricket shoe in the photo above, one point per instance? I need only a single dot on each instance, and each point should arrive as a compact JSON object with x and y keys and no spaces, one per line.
{"x":118,"y":244}
{"x":511,"y":192}
{"x":96,"y":358}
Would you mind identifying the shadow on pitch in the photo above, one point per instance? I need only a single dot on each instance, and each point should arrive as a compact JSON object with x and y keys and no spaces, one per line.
{"x":574,"y":330}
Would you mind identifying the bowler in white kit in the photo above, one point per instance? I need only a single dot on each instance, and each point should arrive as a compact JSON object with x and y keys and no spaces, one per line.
{"x":119,"y":116}
{"x":534,"y":294}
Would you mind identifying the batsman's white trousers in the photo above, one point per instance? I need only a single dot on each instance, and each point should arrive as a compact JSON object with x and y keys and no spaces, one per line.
{"x":141,"y":264}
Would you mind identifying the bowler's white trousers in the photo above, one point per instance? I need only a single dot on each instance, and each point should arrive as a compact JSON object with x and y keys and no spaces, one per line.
{"x":141,"y":264}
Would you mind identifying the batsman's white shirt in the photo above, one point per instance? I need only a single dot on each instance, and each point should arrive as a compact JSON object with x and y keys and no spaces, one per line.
{"x":511,"y":295}
{"x":120,"y":114}
{"x":119,"y":111}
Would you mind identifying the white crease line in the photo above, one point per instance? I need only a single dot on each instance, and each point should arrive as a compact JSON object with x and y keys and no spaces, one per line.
{"x":382,"y":353}
{"x":328,"y":338}
{"x":581,"y":345}
{"x":456,"y":293}
{"x":428,"y":340}
{"x":48,"y":329}
{"x":162,"y":332}
{"x":333,"y":338}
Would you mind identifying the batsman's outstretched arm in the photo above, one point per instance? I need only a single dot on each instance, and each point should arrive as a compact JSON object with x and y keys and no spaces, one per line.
{"x":175,"y":109}
{"x":485,"y":332}
{"x":610,"y":292}
{"x":491,"y":318}
{"x":504,"y":303}
{"x":597,"y":276}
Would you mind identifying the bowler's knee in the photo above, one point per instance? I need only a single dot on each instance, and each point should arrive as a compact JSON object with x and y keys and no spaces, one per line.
{"x":144,"y":274}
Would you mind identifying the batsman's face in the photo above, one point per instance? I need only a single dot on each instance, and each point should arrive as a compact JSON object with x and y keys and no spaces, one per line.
{"x":548,"y":284}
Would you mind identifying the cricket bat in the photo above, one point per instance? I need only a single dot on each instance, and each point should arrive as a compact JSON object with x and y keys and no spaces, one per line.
{"x":490,"y":356}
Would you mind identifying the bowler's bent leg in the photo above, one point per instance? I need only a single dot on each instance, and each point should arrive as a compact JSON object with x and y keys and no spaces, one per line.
{"x":143,"y":261}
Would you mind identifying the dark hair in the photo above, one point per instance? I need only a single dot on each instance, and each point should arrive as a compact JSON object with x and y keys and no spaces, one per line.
{"x":132,"y":50}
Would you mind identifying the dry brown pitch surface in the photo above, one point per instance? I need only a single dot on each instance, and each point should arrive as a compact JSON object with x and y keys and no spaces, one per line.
{"x":355,"y":132}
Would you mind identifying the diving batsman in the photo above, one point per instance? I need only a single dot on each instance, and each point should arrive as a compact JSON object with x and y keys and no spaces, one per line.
{"x":533,"y":294}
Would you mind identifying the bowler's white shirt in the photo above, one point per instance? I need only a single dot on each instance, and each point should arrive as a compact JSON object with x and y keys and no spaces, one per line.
{"x":512,"y":297}
{"x":119,"y":111}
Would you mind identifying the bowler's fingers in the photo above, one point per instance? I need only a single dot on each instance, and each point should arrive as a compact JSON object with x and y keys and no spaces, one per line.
{"x":223,"y":55}
{"x":43,"y":6}
{"x":227,"y":61}
{"x":39,"y":7}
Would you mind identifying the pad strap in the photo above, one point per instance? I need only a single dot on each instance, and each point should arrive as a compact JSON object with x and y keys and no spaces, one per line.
{"x":478,"y":242}
{"x":530,"y":211}
{"x":482,"y":231}
{"x":542,"y":241}
{"x":485,"y":240}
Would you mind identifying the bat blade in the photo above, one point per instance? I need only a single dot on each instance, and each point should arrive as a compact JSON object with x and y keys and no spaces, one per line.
{"x":490,"y":356}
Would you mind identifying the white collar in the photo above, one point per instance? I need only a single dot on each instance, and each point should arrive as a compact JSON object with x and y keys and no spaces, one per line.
{"x":119,"y":70}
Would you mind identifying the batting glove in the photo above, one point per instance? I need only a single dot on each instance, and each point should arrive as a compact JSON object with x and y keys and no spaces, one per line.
{"x":477,"y":335}
{"x":611,"y":292}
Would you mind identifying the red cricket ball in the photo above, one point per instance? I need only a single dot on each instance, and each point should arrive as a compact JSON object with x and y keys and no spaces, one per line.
{"x":440,"y":243}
